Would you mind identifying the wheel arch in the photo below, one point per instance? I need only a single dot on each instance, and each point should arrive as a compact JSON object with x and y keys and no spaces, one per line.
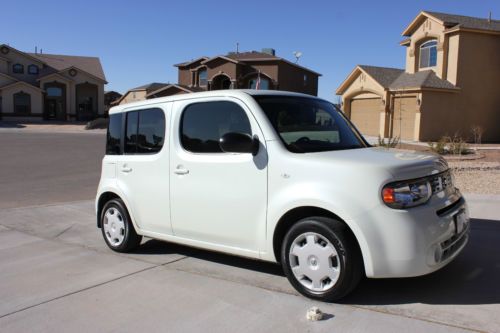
{"x":103,"y":198}
{"x":294,"y":215}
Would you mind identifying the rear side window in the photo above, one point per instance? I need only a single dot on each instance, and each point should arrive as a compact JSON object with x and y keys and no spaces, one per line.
{"x":145,"y":131}
{"x":203,"y":124}
{"x":114,"y":135}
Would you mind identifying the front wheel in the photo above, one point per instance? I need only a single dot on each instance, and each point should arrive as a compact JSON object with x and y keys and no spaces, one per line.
{"x":321,"y":259}
{"x":117,"y":229}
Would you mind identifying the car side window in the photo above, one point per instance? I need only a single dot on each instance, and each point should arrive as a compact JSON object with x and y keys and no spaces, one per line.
{"x":145,"y":131}
{"x":114,"y":134}
{"x":203,"y":124}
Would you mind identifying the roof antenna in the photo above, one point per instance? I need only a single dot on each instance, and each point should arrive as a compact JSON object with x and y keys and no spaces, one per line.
{"x":237,"y":47}
{"x":489,"y":17}
{"x":297,"y":55}
{"x":35,"y":49}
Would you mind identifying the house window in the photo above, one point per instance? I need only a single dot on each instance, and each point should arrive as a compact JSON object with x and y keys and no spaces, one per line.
{"x":428,"y":54}
{"x":259,"y":84}
{"x":18,"y":69}
{"x":202,"y":77}
{"x":22,"y":103}
{"x":33,"y":69}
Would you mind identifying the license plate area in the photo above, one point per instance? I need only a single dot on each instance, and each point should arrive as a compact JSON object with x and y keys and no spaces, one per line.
{"x":460,"y":220}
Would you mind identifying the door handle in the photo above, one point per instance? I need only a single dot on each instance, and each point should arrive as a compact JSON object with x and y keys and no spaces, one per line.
{"x":181,"y":171}
{"x":126,"y":169}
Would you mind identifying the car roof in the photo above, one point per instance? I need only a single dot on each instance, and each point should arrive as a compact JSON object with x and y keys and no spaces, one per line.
{"x":213,"y":93}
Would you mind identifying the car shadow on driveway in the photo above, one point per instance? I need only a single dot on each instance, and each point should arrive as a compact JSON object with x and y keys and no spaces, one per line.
{"x":152,"y":246}
{"x":472,"y":278}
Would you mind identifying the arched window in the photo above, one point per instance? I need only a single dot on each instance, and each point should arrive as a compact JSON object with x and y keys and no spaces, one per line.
{"x":18,"y":69}
{"x":428,"y":54}
{"x":261,"y":83}
{"x":33,"y":69}
{"x":202,"y":77}
{"x":22,"y":103}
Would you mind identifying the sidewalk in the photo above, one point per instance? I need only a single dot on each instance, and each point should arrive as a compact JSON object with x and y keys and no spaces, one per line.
{"x":47,"y":126}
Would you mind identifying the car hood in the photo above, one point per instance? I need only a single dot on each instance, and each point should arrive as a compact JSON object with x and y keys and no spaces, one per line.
{"x":401,"y":164}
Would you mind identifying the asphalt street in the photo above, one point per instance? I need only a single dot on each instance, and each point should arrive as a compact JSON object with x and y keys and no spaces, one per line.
{"x":56,"y":274}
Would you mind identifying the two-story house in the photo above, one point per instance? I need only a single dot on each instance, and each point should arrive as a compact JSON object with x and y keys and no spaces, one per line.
{"x":48,"y":86}
{"x":235,"y":70}
{"x":451,"y":82}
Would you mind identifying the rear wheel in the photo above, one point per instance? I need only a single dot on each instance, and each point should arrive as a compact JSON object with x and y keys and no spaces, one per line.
{"x":321,"y":259}
{"x":117,"y":229}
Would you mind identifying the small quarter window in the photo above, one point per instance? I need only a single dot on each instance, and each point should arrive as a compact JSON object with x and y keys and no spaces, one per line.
{"x":33,"y":69}
{"x":114,"y":135}
{"x":145,"y":131}
{"x":203,"y":124}
{"x":18,"y":69}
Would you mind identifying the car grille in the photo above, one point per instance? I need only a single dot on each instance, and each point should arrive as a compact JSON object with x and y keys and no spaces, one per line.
{"x":451,"y":245}
{"x":441,"y":182}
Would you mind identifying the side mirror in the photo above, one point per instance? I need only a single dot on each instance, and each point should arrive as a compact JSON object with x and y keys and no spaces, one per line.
{"x":235,"y":142}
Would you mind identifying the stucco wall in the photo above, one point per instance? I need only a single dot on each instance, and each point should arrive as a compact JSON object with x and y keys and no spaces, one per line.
{"x":291,"y":78}
{"x":134,"y":96}
{"x":427,"y":30}
{"x":8,"y":99}
{"x":479,"y":78}
{"x":440,"y":115}
{"x":14,"y":57}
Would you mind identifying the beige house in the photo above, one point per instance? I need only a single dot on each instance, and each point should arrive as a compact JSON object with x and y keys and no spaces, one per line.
{"x":48,"y":86}
{"x":451,"y":82}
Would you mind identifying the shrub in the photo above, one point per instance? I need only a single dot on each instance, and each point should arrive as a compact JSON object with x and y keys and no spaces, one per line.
{"x":477,"y":133}
{"x":97,"y":123}
{"x":391,"y":142}
{"x":450,"y":145}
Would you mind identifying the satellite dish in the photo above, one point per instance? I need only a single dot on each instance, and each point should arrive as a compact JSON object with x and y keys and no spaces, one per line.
{"x":297,"y":55}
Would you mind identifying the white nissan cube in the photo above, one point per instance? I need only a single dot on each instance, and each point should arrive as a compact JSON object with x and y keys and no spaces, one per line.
{"x":280,"y":177}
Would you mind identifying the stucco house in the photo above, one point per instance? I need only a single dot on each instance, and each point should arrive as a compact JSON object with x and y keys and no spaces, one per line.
{"x":248,"y":70}
{"x":48,"y":86}
{"x":451,"y":82}
{"x":235,"y":70}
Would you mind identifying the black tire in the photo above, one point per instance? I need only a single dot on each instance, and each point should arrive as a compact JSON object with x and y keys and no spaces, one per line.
{"x":131,"y":240}
{"x":348,"y":258}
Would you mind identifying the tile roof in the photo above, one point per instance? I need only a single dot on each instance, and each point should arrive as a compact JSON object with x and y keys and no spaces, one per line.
{"x":252,"y":55}
{"x":91,"y":65}
{"x":422,"y":79}
{"x":151,"y":86}
{"x":470,"y":22}
{"x":383,"y":75}
{"x":395,"y":78}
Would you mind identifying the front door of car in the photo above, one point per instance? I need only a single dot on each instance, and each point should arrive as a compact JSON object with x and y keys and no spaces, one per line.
{"x":216,"y":197}
{"x":142,"y":170}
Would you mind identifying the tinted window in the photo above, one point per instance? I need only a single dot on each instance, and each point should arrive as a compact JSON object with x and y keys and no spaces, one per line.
{"x":309,"y":125}
{"x":203,"y":124}
{"x":145,"y":131}
{"x":131,"y":132}
{"x":114,"y":134}
{"x":151,"y":132}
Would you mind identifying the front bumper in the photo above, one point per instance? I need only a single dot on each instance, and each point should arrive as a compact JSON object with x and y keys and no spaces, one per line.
{"x":417,"y":241}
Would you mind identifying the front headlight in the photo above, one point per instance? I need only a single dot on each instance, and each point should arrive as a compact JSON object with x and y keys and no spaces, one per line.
{"x":406,"y":194}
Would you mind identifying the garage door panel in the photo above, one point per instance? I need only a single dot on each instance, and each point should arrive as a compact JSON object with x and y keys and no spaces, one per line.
{"x":365,"y":114}
{"x":405,"y":109}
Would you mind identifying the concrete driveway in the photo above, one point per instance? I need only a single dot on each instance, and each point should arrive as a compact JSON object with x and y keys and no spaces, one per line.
{"x":57,"y":275}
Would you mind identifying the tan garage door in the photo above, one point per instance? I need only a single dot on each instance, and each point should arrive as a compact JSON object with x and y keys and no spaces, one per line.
{"x":365,"y":114}
{"x":404,"y":117}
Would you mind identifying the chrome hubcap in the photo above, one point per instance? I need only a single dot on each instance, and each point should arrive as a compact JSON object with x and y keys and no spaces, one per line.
{"x":114,"y":226}
{"x":314,"y":262}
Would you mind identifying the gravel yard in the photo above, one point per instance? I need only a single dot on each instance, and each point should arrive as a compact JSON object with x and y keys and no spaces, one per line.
{"x":476,"y":176}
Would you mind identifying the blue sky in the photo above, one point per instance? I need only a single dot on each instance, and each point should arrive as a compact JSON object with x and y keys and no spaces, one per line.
{"x":139,"y":41}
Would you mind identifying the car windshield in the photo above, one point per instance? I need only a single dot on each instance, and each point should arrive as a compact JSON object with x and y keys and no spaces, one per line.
{"x":307,"y":125}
